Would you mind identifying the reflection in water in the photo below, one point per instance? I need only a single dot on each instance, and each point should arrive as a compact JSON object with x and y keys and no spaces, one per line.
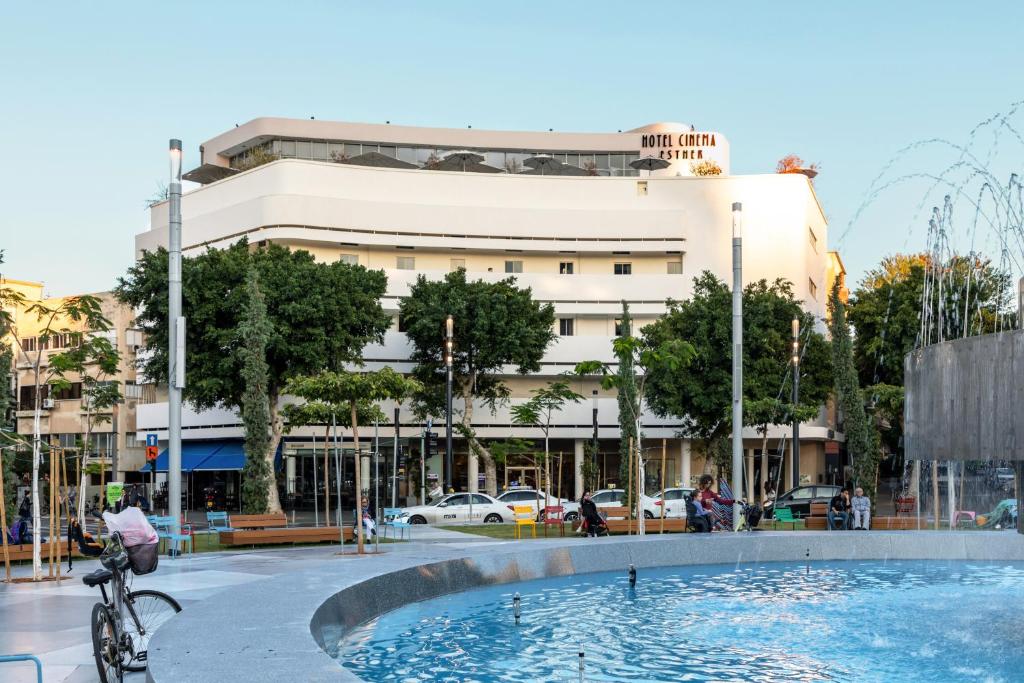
{"x":871,"y":621}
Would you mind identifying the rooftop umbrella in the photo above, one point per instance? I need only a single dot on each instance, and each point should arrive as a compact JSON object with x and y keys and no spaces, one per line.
{"x":543,"y":162}
{"x":462,"y":158}
{"x":378,"y":160}
{"x":650,"y":164}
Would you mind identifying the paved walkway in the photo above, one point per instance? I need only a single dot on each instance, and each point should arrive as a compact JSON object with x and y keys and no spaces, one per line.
{"x":52,"y":621}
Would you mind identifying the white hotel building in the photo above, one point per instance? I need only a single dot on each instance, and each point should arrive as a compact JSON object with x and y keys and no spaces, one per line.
{"x":585,"y":233}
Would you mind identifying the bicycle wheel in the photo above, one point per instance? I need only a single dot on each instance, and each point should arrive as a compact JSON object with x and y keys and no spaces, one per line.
{"x":152,"y":608}
{"x":105,"y":637}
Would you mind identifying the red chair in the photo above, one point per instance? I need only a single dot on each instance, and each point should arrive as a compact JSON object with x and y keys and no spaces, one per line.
{"x":554,"y":514}
{"x":906,"y":505}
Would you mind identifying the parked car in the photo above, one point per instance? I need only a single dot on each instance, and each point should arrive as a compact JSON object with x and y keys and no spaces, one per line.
{"x":458,"y":507}
{"x":610,"y":498}
{"x":674,"y":500}
{"x":535,"y":499}
{"x":1003,"y":478}
{"x":799,"y":499}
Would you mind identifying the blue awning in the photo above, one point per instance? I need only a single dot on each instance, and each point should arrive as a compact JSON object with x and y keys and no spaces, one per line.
{"x":193,"y":453}
{"x":230,"y":456}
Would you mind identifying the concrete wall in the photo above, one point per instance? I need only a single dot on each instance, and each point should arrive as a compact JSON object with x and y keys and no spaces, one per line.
{"x":965,"y":399}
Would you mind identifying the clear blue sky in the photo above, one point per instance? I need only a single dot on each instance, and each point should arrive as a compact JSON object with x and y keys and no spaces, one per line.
{"x":92,"y":91}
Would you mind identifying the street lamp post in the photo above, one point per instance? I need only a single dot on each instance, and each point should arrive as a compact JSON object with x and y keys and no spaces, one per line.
{"x":737,"y":359}
{"x":176,"y":343}
{"x":796,"y":402}
{"x":448,"y":350}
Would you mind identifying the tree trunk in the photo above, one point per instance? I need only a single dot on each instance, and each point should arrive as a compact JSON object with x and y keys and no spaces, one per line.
{"x":490,"y":468}
{"x":327,"y":479}
{"x":358,"y":476}
{"x":37,"y":522}
{"x":276,"y":428}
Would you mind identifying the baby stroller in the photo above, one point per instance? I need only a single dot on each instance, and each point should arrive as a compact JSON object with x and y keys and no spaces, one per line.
{"x":597,"y":523}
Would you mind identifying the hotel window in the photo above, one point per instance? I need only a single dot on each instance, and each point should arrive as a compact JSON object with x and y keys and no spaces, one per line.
{"x":566,"y":327}
{"x":350,"y":259}
{"x":456,"y":264}
{"x":620,"y":330}
{"x":812,"y":288}
{"x":565,"y":268}
{"x":675,"y":267}
{"x":814,"y":240}
{"x":320,"y":150}
{"x":303,"y":149}
{"x":623,"y":268}
{"x":402,"y":326}
{"x":28,"y":344}
{"x":405,"y":263}
{"x":513,"y":266}
{"x":641,"y":188}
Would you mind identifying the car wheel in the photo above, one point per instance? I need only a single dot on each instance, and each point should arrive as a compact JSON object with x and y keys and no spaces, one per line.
{"x":571,"y":516}
{"x":492,"y":518}
{"x":417,"y":519}
{"x":648,"y":515}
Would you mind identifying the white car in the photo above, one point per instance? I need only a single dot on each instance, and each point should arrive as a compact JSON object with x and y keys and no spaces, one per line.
{"x":535,"y":499}
{"x":606,"y":498}
{"x":674,"y":500}
{"x":458,"y":507}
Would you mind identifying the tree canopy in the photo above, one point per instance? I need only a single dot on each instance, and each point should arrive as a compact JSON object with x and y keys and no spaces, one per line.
{"x":700,"y":391}
{"x":496,"y":324}
{"x":319,"y":316}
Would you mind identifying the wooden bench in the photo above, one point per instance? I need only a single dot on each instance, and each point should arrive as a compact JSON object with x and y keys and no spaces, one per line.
{"x":898,"y":523}
{"x":617,"y":519}
{"x":23,"y":551}
{"x":258,"y":521}
{"x":818,"y":517}
{"x":311,"y":534}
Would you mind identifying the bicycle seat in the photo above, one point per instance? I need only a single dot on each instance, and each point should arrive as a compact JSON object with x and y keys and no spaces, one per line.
{"x":98,"y":577}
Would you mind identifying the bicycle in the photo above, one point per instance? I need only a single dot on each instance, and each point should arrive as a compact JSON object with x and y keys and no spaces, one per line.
{"x":120,"y":642}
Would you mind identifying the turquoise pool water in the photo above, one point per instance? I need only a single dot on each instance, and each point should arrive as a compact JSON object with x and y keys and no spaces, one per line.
{"x":844,"y":621}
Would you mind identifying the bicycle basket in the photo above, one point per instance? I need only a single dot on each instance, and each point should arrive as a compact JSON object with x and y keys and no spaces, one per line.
{"x":143,"y":559}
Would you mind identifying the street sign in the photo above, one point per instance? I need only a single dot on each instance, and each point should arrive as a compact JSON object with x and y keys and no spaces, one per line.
{"x":151,"y":440}
{"x":152,"y":452}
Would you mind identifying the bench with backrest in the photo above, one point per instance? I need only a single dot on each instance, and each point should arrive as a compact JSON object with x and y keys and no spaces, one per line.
{"x":275,"y":536}
{"x":898,"y":523}
{"x":818,"y":517}
{"x":265,"y":521}
{"x":784,"y":516}
{"x":619,"y":522}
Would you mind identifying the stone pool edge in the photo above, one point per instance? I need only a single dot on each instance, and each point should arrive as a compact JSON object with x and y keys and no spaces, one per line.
{"x":285,"y":627}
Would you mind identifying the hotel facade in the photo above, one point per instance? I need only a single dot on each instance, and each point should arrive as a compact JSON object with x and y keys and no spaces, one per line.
{"x":566,"y":214}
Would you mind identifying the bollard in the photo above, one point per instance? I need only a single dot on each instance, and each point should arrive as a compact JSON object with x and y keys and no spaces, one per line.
{"x":632,"y":576}
{"x":581,"y":662}
{"x":517,"y":609}
{"x":808,"y":556}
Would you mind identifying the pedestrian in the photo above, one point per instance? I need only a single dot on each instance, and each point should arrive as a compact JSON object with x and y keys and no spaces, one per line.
{"x":591,"y":518}
{"x":25,"y":507}
{"x":366,"y":515}
{"x":861,"y":506}
{"x":839,"y":511}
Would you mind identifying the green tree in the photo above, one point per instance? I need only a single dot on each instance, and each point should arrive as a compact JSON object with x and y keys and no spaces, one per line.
{"x":254,"y":333}
{"x":885,"y":312}
{"x":8,"y":438}
{"x":860,"y":436}
{"x":54,"y":321}
{"x":352,"y":392}
{"x":495,"y":325}
{"x":639,"y":359}
{"x":700,"y":392}
{"x":539,"y":410}
{"x":321,"y":316}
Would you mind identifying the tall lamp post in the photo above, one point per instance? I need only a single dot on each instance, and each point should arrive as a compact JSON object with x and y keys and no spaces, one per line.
{"x":448,"y":350}
{"x":176,"y":343}
{"x":796,"y":402}
{"x":737,"y":359}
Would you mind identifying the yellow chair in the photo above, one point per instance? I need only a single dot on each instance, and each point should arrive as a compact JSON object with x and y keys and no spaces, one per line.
{"x":523,"y":515}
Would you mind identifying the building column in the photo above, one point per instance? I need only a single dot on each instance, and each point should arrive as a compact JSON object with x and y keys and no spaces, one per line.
{"x":577,"y":466}
{"x":750,"y":474}
{"x":685,"y":469}
{"x":473,"y":470}
{"x":289,"y":476}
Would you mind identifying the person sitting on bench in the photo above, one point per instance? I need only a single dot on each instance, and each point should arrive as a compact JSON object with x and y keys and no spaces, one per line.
{"x":87,"y":545}
{"x":861,"y":506}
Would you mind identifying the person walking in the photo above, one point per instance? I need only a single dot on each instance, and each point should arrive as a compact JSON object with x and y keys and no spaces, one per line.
{"x":589,"y":514}
{"x":861,"y":507}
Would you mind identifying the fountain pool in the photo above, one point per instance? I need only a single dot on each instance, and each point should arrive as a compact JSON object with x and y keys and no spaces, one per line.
{"x":839,"y":621}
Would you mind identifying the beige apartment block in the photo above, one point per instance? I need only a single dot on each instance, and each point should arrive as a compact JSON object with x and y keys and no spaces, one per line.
{"x":64,"y":417}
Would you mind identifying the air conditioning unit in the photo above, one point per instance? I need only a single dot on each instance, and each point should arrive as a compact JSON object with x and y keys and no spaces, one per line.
{"x":48,"y":403}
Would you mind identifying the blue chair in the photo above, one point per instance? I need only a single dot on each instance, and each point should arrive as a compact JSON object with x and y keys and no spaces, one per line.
{"x":170,"y":530}
{"x":217,"y":522}
{"x":391,"y":521}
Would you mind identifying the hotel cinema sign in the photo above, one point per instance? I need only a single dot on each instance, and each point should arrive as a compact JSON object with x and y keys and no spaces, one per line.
{"x":684,"y":147}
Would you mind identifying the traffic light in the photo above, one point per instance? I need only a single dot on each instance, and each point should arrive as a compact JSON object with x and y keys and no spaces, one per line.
{"x":431,"y":445}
